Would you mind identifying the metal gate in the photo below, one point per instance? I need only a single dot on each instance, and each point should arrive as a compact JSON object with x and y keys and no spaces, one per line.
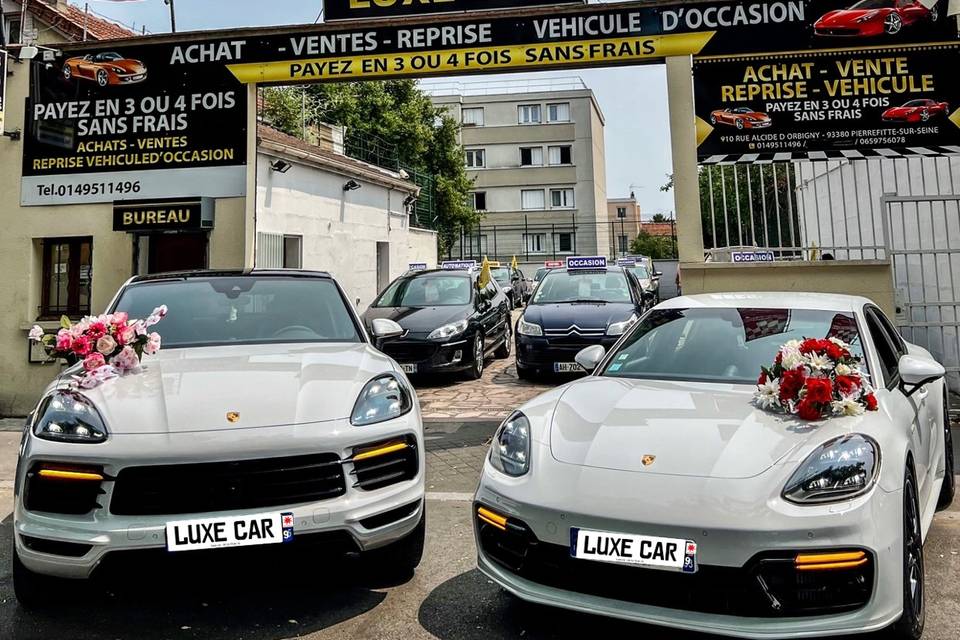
{"x":923,"y":242}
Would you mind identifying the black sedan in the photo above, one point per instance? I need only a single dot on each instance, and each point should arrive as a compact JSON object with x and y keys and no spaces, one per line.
{"x":572,"y":309}
{"x":451,"y":323}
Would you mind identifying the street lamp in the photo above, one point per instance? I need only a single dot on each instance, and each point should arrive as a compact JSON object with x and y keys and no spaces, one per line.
{"x":173,"y":16}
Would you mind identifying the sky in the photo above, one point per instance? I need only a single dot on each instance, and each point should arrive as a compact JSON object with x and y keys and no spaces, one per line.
{"x":633,"y":99}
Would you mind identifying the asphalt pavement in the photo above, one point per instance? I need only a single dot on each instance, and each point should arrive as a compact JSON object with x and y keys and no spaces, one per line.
{"x":267,"y":596}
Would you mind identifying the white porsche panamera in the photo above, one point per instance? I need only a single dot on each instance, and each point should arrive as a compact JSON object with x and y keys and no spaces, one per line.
{"x":267,"y":418}
{"x":655,"y":490}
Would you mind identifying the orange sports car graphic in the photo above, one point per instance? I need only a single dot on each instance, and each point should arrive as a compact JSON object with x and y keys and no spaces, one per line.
{"x":741,"y":118}
{"x":106,"y":69}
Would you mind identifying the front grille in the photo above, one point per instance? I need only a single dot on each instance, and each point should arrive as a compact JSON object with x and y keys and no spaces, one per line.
{"x":70,"y":497}
{"x":837,"y":31}
{"x":385,"y":470}
{"x":575,"y":332}
{"x":409,"y":352}
{"x":227,"y":486}
{"x":734,"y":591}
{"x":56,"y":547}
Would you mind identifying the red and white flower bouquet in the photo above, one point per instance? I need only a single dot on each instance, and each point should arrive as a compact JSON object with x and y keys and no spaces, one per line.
{"x":815,"y":379}
{"x":109,"y":345}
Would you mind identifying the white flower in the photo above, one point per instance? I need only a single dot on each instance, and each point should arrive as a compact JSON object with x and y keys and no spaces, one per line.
{"x":768,"y":395}
{"x":840,"y":343}
{"x":820,"y":362}
{"x":153,"y":344}
{"x":846,"y":407}
{"x":844,"y":370}
{"x":36,"y":333}
{"x":158,"y":314}
{"x":97,"y":377}
{"x":792,"y":358}
{"x":126,"y":361}
{"x":106,"y":345}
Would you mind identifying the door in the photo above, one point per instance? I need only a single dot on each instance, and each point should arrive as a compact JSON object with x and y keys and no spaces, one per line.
{"x":177,"y":252}
{"x":383,"y":266}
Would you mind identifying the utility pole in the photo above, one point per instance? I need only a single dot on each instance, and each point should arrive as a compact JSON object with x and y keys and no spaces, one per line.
{"x":173,"y":16}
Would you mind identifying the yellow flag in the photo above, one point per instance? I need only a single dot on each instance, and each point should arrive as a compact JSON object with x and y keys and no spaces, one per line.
{"x":485,"y":275}
{"x":514,"y":264}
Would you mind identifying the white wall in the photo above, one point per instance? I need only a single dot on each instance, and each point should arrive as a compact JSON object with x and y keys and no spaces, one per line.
{"x":340,"y":229}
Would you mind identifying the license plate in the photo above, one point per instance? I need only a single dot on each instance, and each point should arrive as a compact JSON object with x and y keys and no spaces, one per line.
{"x":567,"y":367}
{"x":240,"y":531}
{"x":408,"y":368}
{"x":666,"y":554}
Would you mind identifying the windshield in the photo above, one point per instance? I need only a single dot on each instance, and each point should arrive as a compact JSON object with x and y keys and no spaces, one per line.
{"x":243,"y":310}
{"x":501,"y":275}
{"x":917,"y":103}
{"x":873,"y":4}
{"x":427,"y":291}
{"x":540,"y":273}
{"x":584,"y":286}
{"x":640,"y":272}
{"x":721,"y":345}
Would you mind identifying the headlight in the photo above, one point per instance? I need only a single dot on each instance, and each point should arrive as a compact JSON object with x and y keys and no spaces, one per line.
{"x":510,"y":451}
{"x":384,"y":398}
{"x":867,"y":17}
{"x":67,"y":416}
{"x":525,"y":328}
{"x":448,"y":330}
{"x":619,"y":328}
{"x":840,"y":469}
{"x":118,"y":70}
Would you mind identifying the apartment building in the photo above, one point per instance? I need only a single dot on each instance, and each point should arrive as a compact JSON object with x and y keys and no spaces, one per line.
{"x":535,"y":151}
{"x":624,"y":216}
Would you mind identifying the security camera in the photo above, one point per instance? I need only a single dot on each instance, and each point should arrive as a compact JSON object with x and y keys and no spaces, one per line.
{"x":352,"y":185}
{"x":280,"y":166}
{"x":404,"y":174}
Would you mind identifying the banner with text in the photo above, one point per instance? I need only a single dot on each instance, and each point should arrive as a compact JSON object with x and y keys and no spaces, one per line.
{"x":124,"y":123}
{"x":364,"y":9}
{"x":808,"y":102}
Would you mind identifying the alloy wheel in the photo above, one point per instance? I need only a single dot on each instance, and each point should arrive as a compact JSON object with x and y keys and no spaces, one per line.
{"x":912,"y":622}
{"x":478,"y":355}
{"x":67,"y":73}
{"x":893,"y":24}
{"x":102,"y":78}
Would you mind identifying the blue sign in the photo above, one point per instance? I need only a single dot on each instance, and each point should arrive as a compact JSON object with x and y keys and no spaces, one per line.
{"x":417,"y":266}
{"x":590,"y":262}
{"x":627,"y":262}
{"x":745,"y":257}
{"x":459,"y":265}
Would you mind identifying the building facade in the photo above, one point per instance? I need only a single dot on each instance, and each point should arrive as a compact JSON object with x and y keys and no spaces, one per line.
{"x":623,"y":214}
{"x":536,"y":155}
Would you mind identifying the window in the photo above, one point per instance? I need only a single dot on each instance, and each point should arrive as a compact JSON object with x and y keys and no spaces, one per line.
{"x":623,"y":243}
{"x":535,"y":242}
{"x":889,"y":360}
{"x":14,"y":31}
{"x":561,"y":155}
{"x":531,"y":156}
{"x":476,"y":245}
{"x":565,"y":242}
{"x":621,"y":212}
{"x":559,"y":112}
{"x":473,"y":117}
{"x":561,"y":198}
{"x":292,"y":252}
{"x":530,"y":114}
{"x":67,"y":277}
{"x":476,"y":158}
{"x":479,"y":200}
{"x":532,"y":199}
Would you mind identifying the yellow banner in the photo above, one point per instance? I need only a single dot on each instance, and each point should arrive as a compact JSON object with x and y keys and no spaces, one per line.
{"x":955,"y":118}
{"x":462,"y":61}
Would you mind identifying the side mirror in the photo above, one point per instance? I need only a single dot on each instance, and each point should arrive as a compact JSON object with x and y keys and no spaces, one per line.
{"x":915,"y":372}
{"x":591,"y":357}
{"x":657,"y":274}
{"x":384,"y":329}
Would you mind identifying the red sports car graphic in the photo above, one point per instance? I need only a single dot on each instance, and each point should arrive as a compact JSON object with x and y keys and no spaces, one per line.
{"x":871,"y":18}
{"x":917,"y":111}
{"x":741,"y":118}
{"x":105,"y":69}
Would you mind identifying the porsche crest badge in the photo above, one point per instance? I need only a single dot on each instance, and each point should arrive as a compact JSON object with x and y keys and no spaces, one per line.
{"x":233,"y":417}
{"x":648,"y":460}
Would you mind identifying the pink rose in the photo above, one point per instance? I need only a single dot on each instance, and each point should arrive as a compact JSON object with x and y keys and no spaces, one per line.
{"x":64,"y":340}
{"x":120,"y":318}
{"x":106,"y":345}
{"x":153,"y":344}
{"x":158,"y":314}
{"x":82,"y":346}
{"x":126,"y":335}
{"x":97,"y":330}
{"x":94,"y":361}
{"x":126,"y":360}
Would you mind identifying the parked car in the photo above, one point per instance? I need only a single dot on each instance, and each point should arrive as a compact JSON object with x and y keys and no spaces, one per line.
{"x":514,"y":284}
{"x":917,"y":111}
{"x":656,"y":490}
{"x":872,"y":18}
{"x":450,"y":324}
{"x":267,"y":406}
{"x":741,"y":118}
{"x":588,"y":303}
{"x":106,"y":69}
{"x":648,"y":280}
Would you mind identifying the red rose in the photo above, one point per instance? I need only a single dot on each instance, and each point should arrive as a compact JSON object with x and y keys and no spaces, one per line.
{"x":819,"y":390}
{"x":847,"y":385}
{"x":791,"y":383}
{"x":96,"y":330}
{"x":835,"y":352}
{"x":809,"y":346}
{"x":779,"y":359}
{"x":82,"y":346}
{"x":808,"y":410}
{"x":871,"y":402}
{"x":762,"y":379}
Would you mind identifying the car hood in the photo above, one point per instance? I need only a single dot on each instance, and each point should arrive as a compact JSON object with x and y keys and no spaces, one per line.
{"x":418,"y":320}
{"x":902,"y":110}
{"x":190,"y":390}
{"x":585,"y":316}
{"x":133,"y":66}
{"x":846,"y":17}
{"x":691,"y":429}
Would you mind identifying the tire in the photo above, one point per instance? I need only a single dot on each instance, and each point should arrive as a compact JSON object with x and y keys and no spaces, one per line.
{"x":893,"y":24}
{"x":525,"y":374}
{"x":739,"y":124}
{"x":924,"y":116}
{"x":401,"y":558}
{"x":102,"y":78}
{"x":475,"y":372}
{"x":910,"y":625}
{"x":949,"y":487}
{"x":713,"y":119}
{"x":67,"y":72}
{"x":35,"y":590}
{"x":503,"y":351}
{"x":935,"y":13}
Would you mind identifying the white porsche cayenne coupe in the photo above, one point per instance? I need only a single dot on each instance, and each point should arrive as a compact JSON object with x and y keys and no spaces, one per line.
{"x":654,"y":490}
{"x":267,"y":418}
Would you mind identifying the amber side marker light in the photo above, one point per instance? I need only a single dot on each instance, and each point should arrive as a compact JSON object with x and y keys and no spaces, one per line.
{"x":68,"y":474}
{"x":492,"y":518}
{"x":380,"y":451}
{"x":828,"y":561}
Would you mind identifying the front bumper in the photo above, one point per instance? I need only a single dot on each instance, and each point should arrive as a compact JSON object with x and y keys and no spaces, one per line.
{"x":542,"y":353}
{"x":431,"y":356}
{"x":743,"y":521}
{"x":100,"y":532}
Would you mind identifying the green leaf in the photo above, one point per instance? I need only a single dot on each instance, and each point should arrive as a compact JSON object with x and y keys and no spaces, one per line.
{"x":65,"y":322}
{"x":47,"y":339}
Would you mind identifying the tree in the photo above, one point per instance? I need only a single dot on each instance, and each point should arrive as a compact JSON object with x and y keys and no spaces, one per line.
{"x":659,"y":218}
{"x":656,"y":247}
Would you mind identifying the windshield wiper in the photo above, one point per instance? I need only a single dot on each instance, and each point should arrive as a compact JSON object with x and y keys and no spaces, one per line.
{"x":586,"y":301}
